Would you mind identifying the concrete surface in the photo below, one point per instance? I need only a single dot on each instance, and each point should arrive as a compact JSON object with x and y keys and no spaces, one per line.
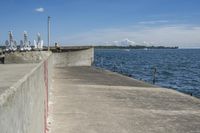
{"x":82,"y":57}
{"x":25,"y":57}
{"x":69,"y":48}
{"x":24,"y":96}
{"x":10,"y":74}
{"x":89,"y":100}
{"x":94,"y":76}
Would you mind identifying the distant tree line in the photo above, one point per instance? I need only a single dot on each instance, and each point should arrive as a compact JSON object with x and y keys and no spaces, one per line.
{"x":135,"y":47}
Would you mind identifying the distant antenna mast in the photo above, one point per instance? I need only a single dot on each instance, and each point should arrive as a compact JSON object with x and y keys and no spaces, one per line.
{"x":49,"y":32}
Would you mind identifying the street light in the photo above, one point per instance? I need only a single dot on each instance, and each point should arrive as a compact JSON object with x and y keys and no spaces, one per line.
{"x":48,"y":22}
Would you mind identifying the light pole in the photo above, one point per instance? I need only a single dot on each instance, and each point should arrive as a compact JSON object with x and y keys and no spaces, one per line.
{"x":49,"y":32}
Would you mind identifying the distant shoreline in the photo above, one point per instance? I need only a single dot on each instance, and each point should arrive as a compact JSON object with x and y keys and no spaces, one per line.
{"x":126,"y":47}
{"x":135,"y":47}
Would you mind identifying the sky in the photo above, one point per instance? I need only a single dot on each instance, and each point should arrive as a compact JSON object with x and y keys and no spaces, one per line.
{"x":97,"y":22}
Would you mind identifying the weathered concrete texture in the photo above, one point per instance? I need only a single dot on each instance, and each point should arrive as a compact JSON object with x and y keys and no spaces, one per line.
{"x":83,"y":57}
{"x":94,"y":76}
{"x":10,"y":74}
{"x":88,"y":100}
{"x":23,"y":96}
{"x":25,"y":57}
{"x":69,"y":48}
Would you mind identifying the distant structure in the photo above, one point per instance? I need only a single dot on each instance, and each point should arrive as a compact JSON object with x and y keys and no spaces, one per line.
{"x":11,"y":44}
{"x":38,"y":45}
{"x":49,"y":31}
{"x":26,"y":44}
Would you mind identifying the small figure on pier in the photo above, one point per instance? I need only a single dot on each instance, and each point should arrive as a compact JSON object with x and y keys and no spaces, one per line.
{"x":57,"y":46}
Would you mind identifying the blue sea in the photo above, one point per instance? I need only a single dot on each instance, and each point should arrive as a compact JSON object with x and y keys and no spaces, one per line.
{"x":177,"y":69}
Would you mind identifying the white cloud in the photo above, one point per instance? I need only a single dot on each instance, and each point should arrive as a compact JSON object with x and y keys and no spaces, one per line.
{"x":39,"y":9}
{"x":171,"y":35}
{"x":127,"y":42}
{"x":154,"y":22}
{"x":146,"y":43}
{"x":124,"y":42}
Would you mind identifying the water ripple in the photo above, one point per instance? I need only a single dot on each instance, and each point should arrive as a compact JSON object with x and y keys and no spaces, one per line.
{"x":176,"y":69}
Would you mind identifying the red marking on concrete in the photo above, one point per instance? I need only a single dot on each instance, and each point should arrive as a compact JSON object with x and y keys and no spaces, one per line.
{"x":45,"y":118}
{"x":46,"y":100}
{"x":46,"y":82}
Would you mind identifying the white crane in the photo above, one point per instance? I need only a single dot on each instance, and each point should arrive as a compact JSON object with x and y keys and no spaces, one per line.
{"x":38,"y":45}
{"x":25,"y":45}
{"x":11,"y":44}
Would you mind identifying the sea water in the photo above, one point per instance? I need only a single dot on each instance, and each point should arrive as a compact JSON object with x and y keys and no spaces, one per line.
{"x":177,"y":69}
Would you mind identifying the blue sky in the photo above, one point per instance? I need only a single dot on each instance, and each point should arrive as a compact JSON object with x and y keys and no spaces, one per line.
{"x":80,"y":22}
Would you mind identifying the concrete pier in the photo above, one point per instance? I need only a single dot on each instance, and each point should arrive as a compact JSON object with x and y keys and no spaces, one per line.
{"x":90,"y":100}
{"x":78,"y":98}
{"x":24,"y":96}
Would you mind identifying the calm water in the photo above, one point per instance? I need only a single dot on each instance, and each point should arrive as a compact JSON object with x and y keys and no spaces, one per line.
{"x":178,"y":69}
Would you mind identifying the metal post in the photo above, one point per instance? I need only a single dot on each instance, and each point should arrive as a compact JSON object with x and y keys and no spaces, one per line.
{"x":49,"y":32}
{"x":154,"y":75}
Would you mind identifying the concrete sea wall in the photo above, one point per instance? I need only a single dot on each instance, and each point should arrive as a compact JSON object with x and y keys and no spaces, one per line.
{"x":25,"y":80}
{"x":86,"y":99}
{"x":82,"y":57}
{"x":24,"y":105}
{"x":25,"y":57}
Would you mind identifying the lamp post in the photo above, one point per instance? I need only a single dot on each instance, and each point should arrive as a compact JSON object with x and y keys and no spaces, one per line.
{"x":49,"y":32}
